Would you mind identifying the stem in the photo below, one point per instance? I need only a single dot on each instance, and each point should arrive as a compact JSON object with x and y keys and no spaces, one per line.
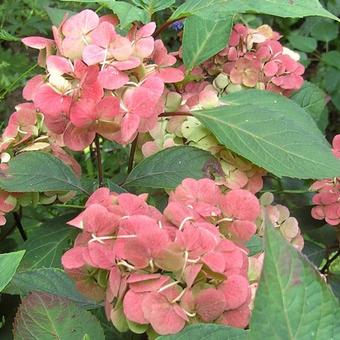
{"x":173,"y":114}
{"x":18,"y":224}
{"x":99,"y":162}
{"x":287,"y":191}
{"x":132,"y":154}
{"x":165,"y":26}
{"x":325,"y":268}
{"x":10,"y":87}
{"x":69,"y":206}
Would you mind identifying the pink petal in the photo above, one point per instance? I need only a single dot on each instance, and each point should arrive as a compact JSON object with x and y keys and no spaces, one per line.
{"x":161,"y":314}
{"x":108,"y":108}
{"x":112,"y":79}
{"x":133,"y":307}
{"x":130,"y":125}
{"x":103,"y":35}
{"x":171,"y":75}
{"x":210,"y":304}
{"x":78,"y":139}
{"x":37,"y":42}
{"x":73,"y":258}
{"x":146,"y":30}
{"x":31,"y":87}
{"x":93,"y":54}
{"x":235,"y":290}
{"x":80,"y":23}
{"x":83,"y":114}
{"x":58,"y":65}
{"x":144,"y":47}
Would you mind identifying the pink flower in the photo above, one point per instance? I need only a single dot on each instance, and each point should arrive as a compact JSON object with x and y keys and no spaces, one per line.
{"x":246,"y":72}
{"x":89,"y":117}
{"x":44,"y":45}
{"x":141,"y":106}
{"x":163,"y":60}
{"x":76,"y":31}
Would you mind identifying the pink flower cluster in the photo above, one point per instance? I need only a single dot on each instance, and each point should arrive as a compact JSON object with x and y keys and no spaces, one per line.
{"x":164,"y":271}
{"x":254,"y":58}
{"x":99,"y":82}
{"x":24,"y":133}
{"x":327,"y":198}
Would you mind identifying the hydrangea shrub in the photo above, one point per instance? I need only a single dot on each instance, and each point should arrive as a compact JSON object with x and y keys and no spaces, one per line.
{"x":198,"y":255}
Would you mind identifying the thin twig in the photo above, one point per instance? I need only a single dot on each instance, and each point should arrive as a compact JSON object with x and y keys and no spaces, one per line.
{"x":165,"y":26}
{"x":18,"y":224}
{"x":99,"y":162}
{"x":173,"y":114}
{"x":328,"y":263}
{"x":132,"y":154}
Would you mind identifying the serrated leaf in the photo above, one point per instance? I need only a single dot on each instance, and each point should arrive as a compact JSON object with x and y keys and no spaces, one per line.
{"x":208,"y":331}
{"x":325,"y":30}
{"x":314,"y":252}
{"x":273,"y":132}
{"x":9,"y":263}
{"x":313,"y":100}
{"x":47,"y":280}
{"x":127,"y":13}
{"x":47,"y":243}
{"x":203,"y":38}
{"x":153,"y":6}
{"x":169,"y":167}
{"x":292,"y":300}
{"x":57,"y":15}
{"x":38,"y":172}
{"x":301,"y":43}
{"x":4,"y":35}
{"x":332,"y":58}
{"x":220,"y":8}
{"x":49,"y":317}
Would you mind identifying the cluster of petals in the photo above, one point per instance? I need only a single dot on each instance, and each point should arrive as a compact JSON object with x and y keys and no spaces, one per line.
{"x":254,"y":58}
{"x":100,"y":82}
{"x":278,"y":215}
{"x":26,"y":132}
{"x":163,"y":271}
{"x":327,"y":197}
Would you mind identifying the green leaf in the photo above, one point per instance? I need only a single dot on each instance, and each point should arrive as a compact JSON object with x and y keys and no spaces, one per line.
{"x":4,"y":35}
{"x":292,"y":301}
{"x":153,"y":6}
{"x":169,"y":167}
{"x":332,"y":58}
{"x":57,"y":15}
{"x":38,"y":172}
{"x":203,"y":38}
{"x":301,"y":43}
{"x":8,"y":265}
{"x":48,"y":317}
{"x":47,"y":280}
{"x":273,"y":132}
{"x":314,"y":252}
{"x":325,"y":30}
{"x":207,"y":331}
{"x":255,"y":245}
{"x":48,"y":243}
{"x":313,"y":100}
{"x":220,"y":8}
{"x":127,"y":13}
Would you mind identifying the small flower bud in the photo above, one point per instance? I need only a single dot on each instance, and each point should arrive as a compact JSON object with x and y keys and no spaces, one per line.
{"x":221,"y":81}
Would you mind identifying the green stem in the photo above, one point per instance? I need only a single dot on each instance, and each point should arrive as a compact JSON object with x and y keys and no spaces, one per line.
{"x":286,"y":191}
{"x":23,"y":75}
{"x":132,"y":154}
{"x":69,"y":206}
{"x":99,"y":162}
